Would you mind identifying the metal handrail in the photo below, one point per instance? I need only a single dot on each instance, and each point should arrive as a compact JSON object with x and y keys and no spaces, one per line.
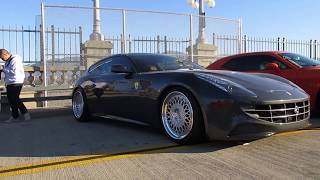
{"x":38,"y":88}
{"x":139,"y":11}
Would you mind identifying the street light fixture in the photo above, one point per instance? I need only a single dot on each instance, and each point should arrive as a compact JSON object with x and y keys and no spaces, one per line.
{"x":211,"y":3}
{"x":199,"y":4}
{"x":96,"y":33}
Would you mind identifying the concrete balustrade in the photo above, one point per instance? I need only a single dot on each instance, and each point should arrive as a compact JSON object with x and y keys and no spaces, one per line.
{"x":58,"y":76}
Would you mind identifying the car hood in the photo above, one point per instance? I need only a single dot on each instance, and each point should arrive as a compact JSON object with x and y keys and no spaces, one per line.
{"x":311,"y":68}
{"x":266,"y":89}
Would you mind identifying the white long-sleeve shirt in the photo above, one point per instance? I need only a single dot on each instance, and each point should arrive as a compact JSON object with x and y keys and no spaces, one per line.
{"x":13,"y":70}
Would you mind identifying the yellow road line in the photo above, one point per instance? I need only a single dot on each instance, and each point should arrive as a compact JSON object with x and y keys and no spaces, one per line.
{"x":298,"y":132}
{"x":76,"y":161}
{"x":45,"y":162}
{"x":45,"y":167}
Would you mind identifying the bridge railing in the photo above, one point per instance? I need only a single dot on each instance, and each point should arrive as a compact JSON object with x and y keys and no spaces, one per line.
{"x":66,"y":96}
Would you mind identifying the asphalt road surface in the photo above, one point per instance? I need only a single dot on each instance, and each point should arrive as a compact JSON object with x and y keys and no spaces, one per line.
{"x":54,"y":146}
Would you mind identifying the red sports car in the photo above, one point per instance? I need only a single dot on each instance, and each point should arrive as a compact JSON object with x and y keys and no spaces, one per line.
{"x":301,"y":70}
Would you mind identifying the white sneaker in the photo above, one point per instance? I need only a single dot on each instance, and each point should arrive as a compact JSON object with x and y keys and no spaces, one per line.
{"x":27,"y":117}
{"x":11,"y":119}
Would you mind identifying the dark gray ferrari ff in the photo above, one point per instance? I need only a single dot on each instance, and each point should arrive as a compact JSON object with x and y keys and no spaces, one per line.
{"x":187,"y":102}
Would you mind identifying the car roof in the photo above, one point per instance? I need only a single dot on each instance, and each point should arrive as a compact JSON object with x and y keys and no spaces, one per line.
{"x":255,"y":53}
{"x":135,"y":55}
{"x":249,"y":54}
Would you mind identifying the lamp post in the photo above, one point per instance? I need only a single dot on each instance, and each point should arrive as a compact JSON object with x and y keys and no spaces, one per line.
{"x":199,"y":4}
{"x":96,"y":33}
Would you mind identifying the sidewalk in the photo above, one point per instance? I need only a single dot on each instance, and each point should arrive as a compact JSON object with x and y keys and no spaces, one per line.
{"x":42,"y":112}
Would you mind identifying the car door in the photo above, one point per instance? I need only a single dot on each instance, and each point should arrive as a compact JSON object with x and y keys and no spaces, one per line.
{"x":101,"y":81}
{"x":133,"y":97}
{"x":257,"y":64}
{"x":284,"y":71}
{"x":120,"y":101}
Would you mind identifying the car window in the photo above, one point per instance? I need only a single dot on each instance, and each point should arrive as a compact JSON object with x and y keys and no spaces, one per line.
{"x":105,"y":66}
{"x":102,"y":68}
{"x":124,"y":61}
{"x":252,"y":63}
{"x":162,"y":63}
{"x":300,"y":60}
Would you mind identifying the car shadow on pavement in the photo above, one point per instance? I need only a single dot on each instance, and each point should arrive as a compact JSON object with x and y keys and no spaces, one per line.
{"x":58,"y":136}
{"x":315,"y":122}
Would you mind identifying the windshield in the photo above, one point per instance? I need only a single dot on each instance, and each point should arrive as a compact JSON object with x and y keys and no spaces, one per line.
{"x":149,"y":63}
{"x":300,"y":60}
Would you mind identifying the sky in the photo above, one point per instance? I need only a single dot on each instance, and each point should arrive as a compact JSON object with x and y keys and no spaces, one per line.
{"x":293,"y":19}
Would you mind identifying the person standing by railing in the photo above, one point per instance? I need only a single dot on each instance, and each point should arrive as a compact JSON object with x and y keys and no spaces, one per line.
{"x":14,"y":78}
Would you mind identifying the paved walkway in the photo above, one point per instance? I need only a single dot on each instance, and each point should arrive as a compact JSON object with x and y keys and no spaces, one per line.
{"x":54,"y":146}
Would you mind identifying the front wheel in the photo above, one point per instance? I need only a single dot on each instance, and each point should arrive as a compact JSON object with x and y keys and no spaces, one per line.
{"x":181,"y":117}
{"x":80,"y":106}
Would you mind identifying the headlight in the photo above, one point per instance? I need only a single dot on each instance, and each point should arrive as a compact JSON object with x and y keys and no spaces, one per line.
{"x":226,"y":85}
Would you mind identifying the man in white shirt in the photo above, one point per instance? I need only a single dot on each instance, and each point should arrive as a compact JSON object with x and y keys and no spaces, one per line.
{"x":14,"y":78}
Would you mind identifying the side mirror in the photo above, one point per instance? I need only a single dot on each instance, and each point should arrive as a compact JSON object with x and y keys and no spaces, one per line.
{"x":118,"y":68}
{"x":272,"y":66}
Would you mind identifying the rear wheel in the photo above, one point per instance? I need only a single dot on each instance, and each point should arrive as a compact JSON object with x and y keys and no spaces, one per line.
{"x":80,"y":106}
{"x":181,"y":117}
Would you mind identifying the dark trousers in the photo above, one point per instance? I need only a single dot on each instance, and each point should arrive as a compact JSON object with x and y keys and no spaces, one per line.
{"x":13,"y":93}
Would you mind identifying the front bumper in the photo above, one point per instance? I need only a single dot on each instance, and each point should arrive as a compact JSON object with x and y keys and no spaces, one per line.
{"x":232,"y":123}
{"x":256,"y":130}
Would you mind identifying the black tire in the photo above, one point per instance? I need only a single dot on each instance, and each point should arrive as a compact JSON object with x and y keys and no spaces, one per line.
{"x":316,"y":112}
{"x":196,"y":135}
{"x":85,"y":115}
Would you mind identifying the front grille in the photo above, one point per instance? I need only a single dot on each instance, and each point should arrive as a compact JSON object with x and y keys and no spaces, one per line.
{"x":281,"y":113}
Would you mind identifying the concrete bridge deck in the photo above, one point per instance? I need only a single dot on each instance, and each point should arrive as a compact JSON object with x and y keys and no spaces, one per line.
{"x":54,"y":146}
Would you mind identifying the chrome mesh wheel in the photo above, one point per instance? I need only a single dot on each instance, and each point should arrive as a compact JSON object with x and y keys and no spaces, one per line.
{"x":77,"y":104}
{"x":177,"y":115}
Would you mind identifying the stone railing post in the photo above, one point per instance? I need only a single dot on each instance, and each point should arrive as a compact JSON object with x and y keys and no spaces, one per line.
{"x":94,"y":50}
{"x":204,"y":54}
